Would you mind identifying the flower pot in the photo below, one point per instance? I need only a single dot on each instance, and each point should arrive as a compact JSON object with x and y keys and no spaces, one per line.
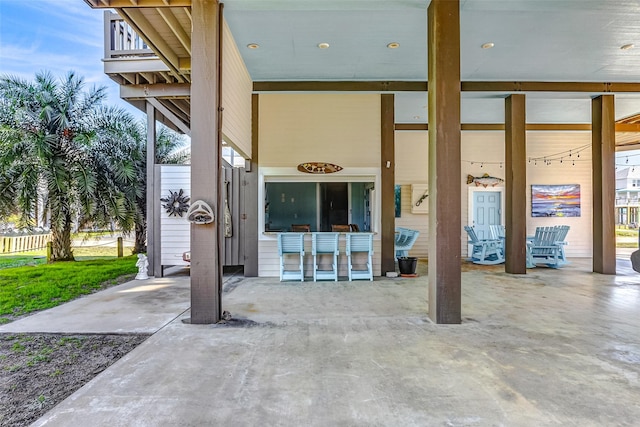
{"x":407,"y":265}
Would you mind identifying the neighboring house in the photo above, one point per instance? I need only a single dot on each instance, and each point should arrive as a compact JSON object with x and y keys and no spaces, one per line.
{"x":345,"y":83}
{"x":628,"y":196}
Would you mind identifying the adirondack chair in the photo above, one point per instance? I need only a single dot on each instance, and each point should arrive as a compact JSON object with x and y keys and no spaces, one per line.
{"x":291,"y":244}
{"x":561,"y":240}
{"x":544,"y":249}
{"x":405,"y":238}
{"x":360,"y":243}
{"x":497,"y":231}
{"x":486,"y":251}
{"x":325,"y":244}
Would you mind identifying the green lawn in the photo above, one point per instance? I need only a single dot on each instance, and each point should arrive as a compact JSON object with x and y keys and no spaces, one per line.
{"x":35,"y":287}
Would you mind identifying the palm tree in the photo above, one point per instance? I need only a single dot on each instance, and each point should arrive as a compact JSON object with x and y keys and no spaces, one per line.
{"x":50,"y":135}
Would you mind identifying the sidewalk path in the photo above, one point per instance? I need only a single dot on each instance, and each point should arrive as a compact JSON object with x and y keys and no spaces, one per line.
{"x":138,"y":306}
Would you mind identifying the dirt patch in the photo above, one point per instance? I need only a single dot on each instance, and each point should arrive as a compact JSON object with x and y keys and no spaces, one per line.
{"x":38,"y":371}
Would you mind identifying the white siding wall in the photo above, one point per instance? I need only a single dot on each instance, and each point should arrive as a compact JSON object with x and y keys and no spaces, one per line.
{"x":175,"y":235}
{"x":412,"y":167}
{"x":489,"y":147}
{"x":343,"y":129}
{"x":236,"y":96}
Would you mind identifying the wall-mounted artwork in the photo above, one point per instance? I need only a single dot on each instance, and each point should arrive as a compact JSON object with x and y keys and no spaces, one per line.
{"x":398,"y":192}
{"x":555,"y":200}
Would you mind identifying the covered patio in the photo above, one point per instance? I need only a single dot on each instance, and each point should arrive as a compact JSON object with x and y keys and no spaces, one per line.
{"x":445,"y":87}
{"x":554,"y":347}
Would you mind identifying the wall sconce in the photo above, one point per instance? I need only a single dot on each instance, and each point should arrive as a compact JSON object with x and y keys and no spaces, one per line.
{"x":388,"y":164}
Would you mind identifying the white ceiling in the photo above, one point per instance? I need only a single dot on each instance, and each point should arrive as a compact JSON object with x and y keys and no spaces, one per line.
{"x":540,"y":40}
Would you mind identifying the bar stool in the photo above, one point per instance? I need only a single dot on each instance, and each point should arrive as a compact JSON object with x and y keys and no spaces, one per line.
{"x":360,"y":243}
{"x":291,"y":244}
{"x":325,"y":244}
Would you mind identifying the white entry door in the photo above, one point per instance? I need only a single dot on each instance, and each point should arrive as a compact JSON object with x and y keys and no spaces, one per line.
{"x":486,"y":210}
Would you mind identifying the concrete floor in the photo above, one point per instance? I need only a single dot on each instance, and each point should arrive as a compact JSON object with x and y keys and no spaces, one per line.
{"x":552,"y":347}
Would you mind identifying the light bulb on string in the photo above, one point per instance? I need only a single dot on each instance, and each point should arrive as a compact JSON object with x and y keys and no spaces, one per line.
{"x":574,"y":163}
{"x":627,"y":162}
{"x":500,"y":165}
{"x":481,"y":165}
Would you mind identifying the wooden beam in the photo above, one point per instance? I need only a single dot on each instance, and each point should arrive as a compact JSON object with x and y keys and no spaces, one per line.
{"x":343,"y":86}
{"x":184,"y":64}
{"x":158,"y":90}
{"x":412,"y":126}
{"x":445,"y":299}
{"x":421,"y":86}
{"x":604,"y":179}
{"x":582,"y":127}
{"x":176,"y":28}
{"x":170,"y":116}
{"x":206,"y":269}
{"x":515,"y":185}
{"x":528,"y":86}
{"x":387,"y":172}
{"x":115,"y":4}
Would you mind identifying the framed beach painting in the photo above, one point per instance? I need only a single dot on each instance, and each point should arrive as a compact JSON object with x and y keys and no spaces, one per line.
{"x":555,"y":200}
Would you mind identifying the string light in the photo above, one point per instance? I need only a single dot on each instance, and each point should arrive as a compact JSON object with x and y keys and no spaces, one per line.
{"x":572,"y":154}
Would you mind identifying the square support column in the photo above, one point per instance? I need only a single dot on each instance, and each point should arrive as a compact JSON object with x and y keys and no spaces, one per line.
{"x":153,"y":238}
{"x":516,"y":183}
{"x":387,"y":166}
{"x":250,"y":218}
{"x":206,"y":269}
{"x":445,"y":226}
{"x":603,"y":148}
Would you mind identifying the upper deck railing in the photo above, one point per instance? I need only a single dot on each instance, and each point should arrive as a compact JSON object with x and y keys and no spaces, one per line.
{"x":121,"y":41}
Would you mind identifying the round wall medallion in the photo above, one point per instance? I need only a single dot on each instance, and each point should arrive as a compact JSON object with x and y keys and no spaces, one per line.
{"x":176,"y":203}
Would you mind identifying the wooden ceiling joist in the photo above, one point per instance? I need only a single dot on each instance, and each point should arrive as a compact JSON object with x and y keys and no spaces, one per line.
{"x":115,"y":4}
{"x":175,"y":26}
{"x":144,"y":29}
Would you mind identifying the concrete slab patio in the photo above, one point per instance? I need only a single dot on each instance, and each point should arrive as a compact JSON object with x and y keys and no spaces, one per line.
{"x":552,"y":347}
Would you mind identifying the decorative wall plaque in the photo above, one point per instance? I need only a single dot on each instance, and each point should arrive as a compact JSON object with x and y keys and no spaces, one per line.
{"x":318,"y":167}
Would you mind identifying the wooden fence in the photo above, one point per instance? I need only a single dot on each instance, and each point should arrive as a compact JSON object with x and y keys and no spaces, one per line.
{"x":10,"y":244}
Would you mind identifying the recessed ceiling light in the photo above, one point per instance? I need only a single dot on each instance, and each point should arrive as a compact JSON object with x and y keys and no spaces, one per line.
{"x":393,"y":45}
{"x":416,"y":117}
{"x":627,"y":46}
{"x":323,"y":45}
{"x":253,"y":45}
{"x":488,"y":45}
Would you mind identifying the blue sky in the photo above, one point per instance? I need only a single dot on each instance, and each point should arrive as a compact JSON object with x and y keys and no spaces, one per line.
{"x":56,"y":36}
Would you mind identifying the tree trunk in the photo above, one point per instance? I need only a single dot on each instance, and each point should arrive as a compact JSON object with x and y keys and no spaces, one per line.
{"x":61,"y":240}
{"x":141,"y":238}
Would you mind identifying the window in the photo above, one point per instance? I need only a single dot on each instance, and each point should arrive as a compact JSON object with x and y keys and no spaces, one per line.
{"x":319,"y":204}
